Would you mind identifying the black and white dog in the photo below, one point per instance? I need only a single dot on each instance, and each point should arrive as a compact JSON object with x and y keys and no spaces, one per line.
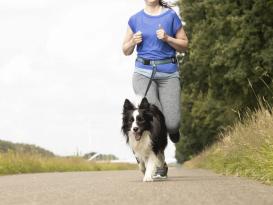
{"x":146,"y":133}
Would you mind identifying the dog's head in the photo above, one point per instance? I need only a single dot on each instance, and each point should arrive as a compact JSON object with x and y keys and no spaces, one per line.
{"x":136,"y":119}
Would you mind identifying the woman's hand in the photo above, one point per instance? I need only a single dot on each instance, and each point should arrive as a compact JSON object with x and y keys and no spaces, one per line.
{"x":130,"y":41}
{"x":179,"y":42}
{"x":137,"y":38}
{"x":161,"y":34}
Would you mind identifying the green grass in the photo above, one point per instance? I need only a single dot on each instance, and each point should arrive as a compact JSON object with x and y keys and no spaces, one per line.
{"x":17,"y":163}
{"x":246,"y":149}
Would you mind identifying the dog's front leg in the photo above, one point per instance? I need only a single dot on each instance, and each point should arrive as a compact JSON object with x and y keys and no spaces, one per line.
{"x":142,"y":167}
{"x":141,"y":164}
{"x":150,"y":168}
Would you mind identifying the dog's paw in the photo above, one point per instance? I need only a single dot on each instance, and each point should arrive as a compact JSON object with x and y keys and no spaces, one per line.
{"x":148,"y":179}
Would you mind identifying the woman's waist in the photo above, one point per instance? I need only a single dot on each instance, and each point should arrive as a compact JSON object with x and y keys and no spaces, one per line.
{"x":164,"y":68}
{"x":158,"y":74}
{"x":156,"y":61}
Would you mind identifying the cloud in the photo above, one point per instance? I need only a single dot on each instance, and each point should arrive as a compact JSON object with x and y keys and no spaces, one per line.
{"x":10,"y":73}
{"x":26,"y":4}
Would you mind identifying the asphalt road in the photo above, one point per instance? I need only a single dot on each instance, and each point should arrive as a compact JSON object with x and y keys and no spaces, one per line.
{"x":183,"y":187}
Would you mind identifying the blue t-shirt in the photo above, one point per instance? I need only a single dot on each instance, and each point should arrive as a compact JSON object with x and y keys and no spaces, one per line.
{"x":151,"y":47}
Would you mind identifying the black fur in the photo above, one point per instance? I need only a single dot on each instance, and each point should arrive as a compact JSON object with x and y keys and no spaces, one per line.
{"x":150,"y":118}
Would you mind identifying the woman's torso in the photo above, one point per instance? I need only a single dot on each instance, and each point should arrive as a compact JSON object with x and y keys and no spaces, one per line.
{"x":151,"y":47}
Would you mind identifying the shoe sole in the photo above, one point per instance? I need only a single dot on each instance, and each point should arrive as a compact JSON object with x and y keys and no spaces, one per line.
{"x":159,"y":178}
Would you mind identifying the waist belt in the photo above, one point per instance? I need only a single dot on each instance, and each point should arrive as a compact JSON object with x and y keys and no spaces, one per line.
{"x":156,"y":62}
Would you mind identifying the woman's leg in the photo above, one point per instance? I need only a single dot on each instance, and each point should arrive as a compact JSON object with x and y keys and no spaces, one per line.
{"x":140,"y":83}
{"x":169,"y":96}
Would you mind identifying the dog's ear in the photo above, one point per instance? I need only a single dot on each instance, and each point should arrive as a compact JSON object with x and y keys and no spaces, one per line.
{"x":128,"y":105}
{"x":144,"y":104}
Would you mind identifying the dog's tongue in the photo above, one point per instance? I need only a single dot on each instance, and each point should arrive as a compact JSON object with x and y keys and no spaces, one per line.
{"x":137,"y":136}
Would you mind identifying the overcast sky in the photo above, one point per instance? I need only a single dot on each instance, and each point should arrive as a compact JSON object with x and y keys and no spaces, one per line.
{"x":63,"y":77}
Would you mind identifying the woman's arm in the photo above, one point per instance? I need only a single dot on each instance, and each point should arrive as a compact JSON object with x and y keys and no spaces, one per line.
{"x":130,"y":41}
{"x":179,"y":43}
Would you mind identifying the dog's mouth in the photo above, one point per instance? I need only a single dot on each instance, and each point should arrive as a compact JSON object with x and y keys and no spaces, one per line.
{"x":137,"y":136}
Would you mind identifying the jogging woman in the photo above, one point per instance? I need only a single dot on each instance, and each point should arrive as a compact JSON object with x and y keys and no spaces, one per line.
{"x":158,"y":34}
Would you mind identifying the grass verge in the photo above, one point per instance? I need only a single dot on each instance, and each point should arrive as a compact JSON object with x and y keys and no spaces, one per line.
{"x":246,"y":149}
{"x":17,"y":163}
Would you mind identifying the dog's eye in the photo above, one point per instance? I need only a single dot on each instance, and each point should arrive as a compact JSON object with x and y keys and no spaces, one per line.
{"x":139,"y":119}
{"x":131,"y":119}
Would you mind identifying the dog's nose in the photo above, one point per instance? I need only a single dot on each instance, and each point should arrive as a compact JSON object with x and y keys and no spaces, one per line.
{"x":135,"y":129}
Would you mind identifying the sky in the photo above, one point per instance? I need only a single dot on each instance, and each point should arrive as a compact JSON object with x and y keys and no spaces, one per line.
{"x":63,"y":76}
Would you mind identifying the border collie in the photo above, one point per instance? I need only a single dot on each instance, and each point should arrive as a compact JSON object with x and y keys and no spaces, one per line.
{"x":146,"y":133}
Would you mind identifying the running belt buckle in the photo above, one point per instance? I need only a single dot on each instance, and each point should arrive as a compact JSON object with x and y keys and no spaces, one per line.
{"x":146,"y":62}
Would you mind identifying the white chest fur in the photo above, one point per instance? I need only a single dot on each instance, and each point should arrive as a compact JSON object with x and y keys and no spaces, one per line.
{"x":141,"y":148}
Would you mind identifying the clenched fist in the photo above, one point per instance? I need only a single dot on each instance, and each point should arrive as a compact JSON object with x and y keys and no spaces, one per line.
{"x":161,"y":34}
{"x":137,"y":38}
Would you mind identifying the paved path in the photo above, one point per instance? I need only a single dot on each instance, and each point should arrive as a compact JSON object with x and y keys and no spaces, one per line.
{"x":183,"y":187}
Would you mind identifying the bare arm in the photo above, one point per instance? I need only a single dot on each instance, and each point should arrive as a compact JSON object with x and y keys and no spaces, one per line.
{"x":179,"y":43}
{"x":130,"y":41}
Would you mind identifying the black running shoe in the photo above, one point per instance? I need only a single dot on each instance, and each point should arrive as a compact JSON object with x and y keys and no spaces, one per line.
{"x":175,"y":137}
{"x":161,"y":173}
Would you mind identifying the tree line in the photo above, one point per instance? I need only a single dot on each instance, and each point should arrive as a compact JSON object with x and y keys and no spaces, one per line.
{"x":6,"y":146}
{"x":228,"y":67}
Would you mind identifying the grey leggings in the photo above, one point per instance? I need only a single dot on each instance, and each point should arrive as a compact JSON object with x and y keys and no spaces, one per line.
{"x":164,"y":93}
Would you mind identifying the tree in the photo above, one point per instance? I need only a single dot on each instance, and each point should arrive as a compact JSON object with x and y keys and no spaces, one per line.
{"x":228,"y":67}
